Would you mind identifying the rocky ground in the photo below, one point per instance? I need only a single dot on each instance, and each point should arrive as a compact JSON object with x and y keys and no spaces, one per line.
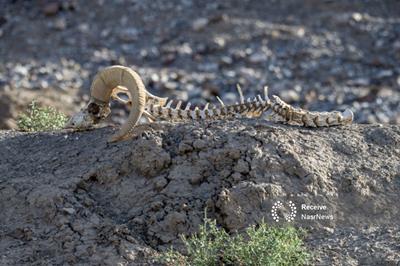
{"x":72,"y":198}
{"x":319,"y":55}
{"x":68,"y":198}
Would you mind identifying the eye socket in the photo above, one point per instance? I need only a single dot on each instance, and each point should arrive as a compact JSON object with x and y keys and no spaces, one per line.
{"x":93,"y":109}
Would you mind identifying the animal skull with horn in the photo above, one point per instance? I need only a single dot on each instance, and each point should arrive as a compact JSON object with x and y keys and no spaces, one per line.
{"x":104,"y":86}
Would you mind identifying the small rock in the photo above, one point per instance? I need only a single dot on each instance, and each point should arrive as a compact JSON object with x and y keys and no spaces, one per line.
{"x":51,"y":9}
{"x":60,"y":24}
{"x":138,"y":220}
{"x":155,"y":206}
{"x":155,"y":78}
{"x":226,"y":60}
{"x":396,"y":45}
{"x":175,"y":218}
{"x":22,"y":70}
{"x":199,"y":144}
{"x":44,"y":84}
{"x":300,"y":32}
{"x":84,"y":28}
{"x":219,"y":42}
{"x":184,"y":147}
{"x":290,"y":96}
{"x":237,"y":177}
{"x":171,"y":85}
{"x":196,"y":179}
{"x":219,"y":18}
{"x":160,"y":183}
{"x":383,"y":118}
{"x":168,"y":59}
{"x":384,"y":73}
{"x":357,"y":17}
{"x":329,"y":229}
{"x":208,"y":67}
{"x":199,"y":24}
{"x":185,"y":49}
{"x":129,"y":35}
{"x":359,"y":82}
{"x":242,"y":167}
{"x":69,"y":210}
{"x":257,"y":58}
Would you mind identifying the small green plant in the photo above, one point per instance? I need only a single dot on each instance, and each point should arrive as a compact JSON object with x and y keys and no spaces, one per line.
{"x":261,"y":245}
{"x":41,"y":119}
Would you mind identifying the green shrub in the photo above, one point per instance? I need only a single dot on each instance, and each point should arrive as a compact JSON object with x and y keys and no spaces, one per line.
{"x":41,"y":119}
{"x":261,"y":245}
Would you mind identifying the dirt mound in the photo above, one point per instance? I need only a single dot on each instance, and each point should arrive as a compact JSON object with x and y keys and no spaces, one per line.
{"x":73,"y":198}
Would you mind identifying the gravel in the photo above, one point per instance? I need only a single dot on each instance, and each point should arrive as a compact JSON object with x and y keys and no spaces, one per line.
{"x":317,"y":55}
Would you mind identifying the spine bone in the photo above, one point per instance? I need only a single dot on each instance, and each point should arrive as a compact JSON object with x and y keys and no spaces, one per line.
{"x":251,"y":108}
{"x":309,"y":118}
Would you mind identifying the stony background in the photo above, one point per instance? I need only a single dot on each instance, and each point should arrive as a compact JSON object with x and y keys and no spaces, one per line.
{"x":72,"y":198}
{"x":319,"y":55}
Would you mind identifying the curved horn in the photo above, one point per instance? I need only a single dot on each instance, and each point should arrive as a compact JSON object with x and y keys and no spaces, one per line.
{"x":111,"y":77}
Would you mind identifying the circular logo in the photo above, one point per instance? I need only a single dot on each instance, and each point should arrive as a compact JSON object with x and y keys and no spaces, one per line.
{"x":278,"y":205}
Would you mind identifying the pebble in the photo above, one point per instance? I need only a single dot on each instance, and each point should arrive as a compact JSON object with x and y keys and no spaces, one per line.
{"x":60,"y":24}
{"x":199,"y":144}
{"x":384,"y":73}
{"x":290,"y":96}
{"x":160,"y":183}
{"x":129,"y":34}
{"x":357,"y":17}
{"x":69,"y":210}
{"x":85,"y":28}
{"x":258,"y":57}
{"x":196,"y":179}
{"x":199,"y":24}
{"x":226,"y":60}
{"x":197,"y":58}
{"x":51,"y":9}
{"x":208,"y":67}
{"x":171,"y":85}
{"x":219,"y":42}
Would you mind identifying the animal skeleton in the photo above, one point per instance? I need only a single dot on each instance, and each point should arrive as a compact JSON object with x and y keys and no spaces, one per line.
{"x":114,"y":80}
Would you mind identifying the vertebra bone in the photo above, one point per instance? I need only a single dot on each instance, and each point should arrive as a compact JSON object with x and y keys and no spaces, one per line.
{"x":308,"y":118}
{"x":118,"y":79}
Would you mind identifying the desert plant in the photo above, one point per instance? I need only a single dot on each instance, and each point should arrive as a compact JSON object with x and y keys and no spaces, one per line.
{"x":41,"y":119}
{"x":259,"y":245}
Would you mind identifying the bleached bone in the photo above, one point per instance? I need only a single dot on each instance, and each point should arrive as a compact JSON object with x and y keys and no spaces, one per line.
{"x":309,"y":118}
{"x":105,"y":82}
{"x":113,"y":80}
{"x":220,"y":101}
{"x":239,"y":89}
